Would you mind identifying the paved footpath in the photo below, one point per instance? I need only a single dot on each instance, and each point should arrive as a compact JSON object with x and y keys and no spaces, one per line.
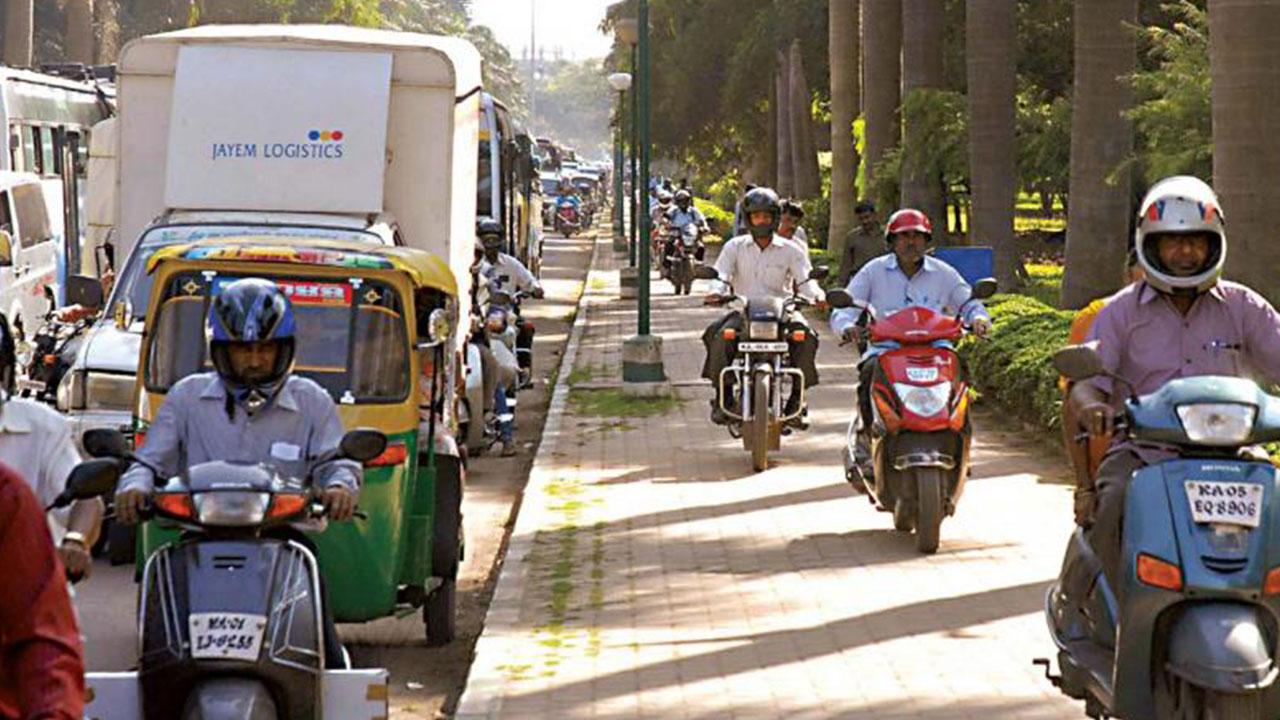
{"x":652,"y":574}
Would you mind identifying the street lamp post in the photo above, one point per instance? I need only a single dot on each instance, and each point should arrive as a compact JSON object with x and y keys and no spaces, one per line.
{"x":642,"y":354}
{"x":620,"y":82}
{"x":628,"y":32}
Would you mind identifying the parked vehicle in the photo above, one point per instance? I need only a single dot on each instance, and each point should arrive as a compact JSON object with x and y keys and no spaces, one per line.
{"x":508,"y":183}
{"x":230,"y":616}
{"x":1193,"y":632}
{"x":920,"y":429}
{"x":761,"y":373}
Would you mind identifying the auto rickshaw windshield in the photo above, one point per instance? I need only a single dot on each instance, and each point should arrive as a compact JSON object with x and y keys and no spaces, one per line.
{"x":351,"y":335}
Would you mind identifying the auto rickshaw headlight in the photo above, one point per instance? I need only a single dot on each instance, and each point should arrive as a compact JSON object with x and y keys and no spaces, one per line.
{"x":439,"y":326}
{"x":231,"y":508}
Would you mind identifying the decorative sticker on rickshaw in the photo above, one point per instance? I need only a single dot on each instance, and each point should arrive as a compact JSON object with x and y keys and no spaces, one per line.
{"x":300,"y":256}
{"x":303,"y":292}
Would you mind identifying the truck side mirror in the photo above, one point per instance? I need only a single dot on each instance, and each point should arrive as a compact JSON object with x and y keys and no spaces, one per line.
{"x":84,"y":290}
{"x":6,"y":249}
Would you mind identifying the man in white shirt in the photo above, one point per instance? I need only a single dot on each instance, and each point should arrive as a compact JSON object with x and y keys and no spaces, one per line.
{"x":504,"y":272}
{"x":790,"y":228}
{"x":36,"y":441}
{"x":761,"y":264}
{"x":905,"y":277}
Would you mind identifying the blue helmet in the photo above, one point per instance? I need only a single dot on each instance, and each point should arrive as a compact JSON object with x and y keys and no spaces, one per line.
{"x":252,"y":310}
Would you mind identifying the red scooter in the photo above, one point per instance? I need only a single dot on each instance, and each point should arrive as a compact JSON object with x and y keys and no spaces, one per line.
{"x":920,"y":429}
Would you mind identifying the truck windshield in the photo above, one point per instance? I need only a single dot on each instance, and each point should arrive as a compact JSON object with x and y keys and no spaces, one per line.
{"x":133,"y":284}
{"x":351,"y":335}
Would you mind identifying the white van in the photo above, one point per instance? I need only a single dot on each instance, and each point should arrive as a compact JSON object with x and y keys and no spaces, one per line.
{"x":29,"y":252}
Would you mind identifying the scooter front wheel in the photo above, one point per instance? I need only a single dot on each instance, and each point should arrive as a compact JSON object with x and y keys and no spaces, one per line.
{"x":928,"y":509}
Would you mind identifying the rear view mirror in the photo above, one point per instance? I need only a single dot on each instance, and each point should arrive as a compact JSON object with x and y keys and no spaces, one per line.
{"x":105,"y":443}
{"x":89,"y":479}
{"x":705,"y":272}
{"x":821,"y":272}
{"x":839,"y":299}
{"x":1079,"y":362}
{"x":984,"y":288}
{"x":363,"y":444}
{"x":84,"y":290}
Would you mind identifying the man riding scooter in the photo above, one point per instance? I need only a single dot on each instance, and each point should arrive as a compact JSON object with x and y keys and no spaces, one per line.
{"x":903,"y":278}
{"x":509,"y":275}
{"x":677,"y":218}
{"x":761,"y":264}
{"x":251,"y":409}
{"x":1181,"y":320}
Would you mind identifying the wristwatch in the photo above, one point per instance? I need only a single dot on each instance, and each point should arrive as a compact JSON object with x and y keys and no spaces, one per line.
{"x":75,"y":537}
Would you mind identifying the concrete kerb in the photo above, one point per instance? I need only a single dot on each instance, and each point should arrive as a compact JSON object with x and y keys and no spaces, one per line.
{"x":486,"y":683}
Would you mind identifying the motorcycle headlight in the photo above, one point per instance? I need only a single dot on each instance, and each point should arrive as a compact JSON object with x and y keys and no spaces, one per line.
{"x":924,"y":400}
{"x":231,"y":508}
{"x":1217,"y":423}
{"x":763,"y":330}
{"x":71,"y":391}
{"x":104,"y":391}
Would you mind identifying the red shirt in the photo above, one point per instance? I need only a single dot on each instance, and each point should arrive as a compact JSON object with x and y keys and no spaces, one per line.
{"x":41,"y":659}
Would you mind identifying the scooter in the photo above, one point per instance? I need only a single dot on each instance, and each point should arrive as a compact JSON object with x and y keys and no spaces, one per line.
{"x":568,"y":220}
{"x":761,"y":370}
{"x":920,"y":429}
{"x":230,"y":621}
{"x":1195,"y":630}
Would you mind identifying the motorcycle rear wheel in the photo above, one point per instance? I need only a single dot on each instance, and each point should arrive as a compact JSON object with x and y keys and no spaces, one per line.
{"x":760,"y":423}
{"x":929,"y":489}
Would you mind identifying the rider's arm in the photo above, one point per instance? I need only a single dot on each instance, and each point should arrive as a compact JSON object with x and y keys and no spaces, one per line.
{"x":800,"y":267}
{"x":326,"y":436}
{"x":524,"y":279}
{"x":960,"y":294}
{"x":41,"y":661}
{"x":1261,"y":328}
{"x":726,"y":266}
{"x":163,"y":445}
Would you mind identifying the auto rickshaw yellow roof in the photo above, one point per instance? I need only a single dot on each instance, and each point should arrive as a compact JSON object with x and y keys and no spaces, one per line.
{"x":423,"y":267}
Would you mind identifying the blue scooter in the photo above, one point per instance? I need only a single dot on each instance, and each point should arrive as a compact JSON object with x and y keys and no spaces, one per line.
{"x":1196,"y":633}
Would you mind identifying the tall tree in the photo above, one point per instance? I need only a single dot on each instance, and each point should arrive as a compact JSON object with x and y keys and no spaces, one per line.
{"x":1101,"y":140}
{"x":79,"y":15}
{"x":882,"y":77}
{"x":768,"y":150}
{"x":846,"y":87}
{"x":19,"y":26}
{"x":922,"y":68}
{"x":786,"y":163}
{"x":106,"y":19}
{"x":992,"y":73}
{"x":804,"y":158}
{"x":1246,"y":134}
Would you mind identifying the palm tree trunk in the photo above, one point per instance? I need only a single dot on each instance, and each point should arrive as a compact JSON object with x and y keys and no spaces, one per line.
{"x":882,"y":78}
{"x":19,"y":27}
{"x":786,"y":164}
{"x":922,"y":68}
{"x":79,"y":42}
{"x":804,"y":158}
{"x":992,"y":71}
{"x":107,"y":20}
{"x":1246,"y":134}
{"x":768,"y":152}
{"x":1101,"y":140}
{"x":845,"y":91}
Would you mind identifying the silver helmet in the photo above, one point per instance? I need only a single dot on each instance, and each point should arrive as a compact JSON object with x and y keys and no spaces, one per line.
{"x":1178,"y":205}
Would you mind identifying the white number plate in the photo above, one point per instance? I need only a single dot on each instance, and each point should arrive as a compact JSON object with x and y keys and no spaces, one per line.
{"x":922,"y":374}
{"x":226,"y":636}
{"x":1231,"y":503}
{"x":762,"y":347}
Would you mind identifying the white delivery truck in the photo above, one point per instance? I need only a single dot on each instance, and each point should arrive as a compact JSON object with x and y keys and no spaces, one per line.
{"x":298,"y":131}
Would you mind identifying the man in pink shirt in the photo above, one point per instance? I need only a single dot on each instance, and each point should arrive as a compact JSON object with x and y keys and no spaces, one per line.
{"x":1181,"y":321}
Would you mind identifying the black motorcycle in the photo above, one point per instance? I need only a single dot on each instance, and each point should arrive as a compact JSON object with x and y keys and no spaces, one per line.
{"x":51,"y":352}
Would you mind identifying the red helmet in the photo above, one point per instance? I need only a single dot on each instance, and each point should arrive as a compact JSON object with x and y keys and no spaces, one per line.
{"x":907,"y":220}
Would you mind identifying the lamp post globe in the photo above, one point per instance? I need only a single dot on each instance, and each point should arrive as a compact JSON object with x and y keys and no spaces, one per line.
{"x":620,"y":82}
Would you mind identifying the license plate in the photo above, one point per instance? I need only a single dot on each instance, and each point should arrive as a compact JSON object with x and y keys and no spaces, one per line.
{"x":922,"y":374}
{"x":1228,"y":503}
{"x":226,"y":636}
{"x":762,"y":347}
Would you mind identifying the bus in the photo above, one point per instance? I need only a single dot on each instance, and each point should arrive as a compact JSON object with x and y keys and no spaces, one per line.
{"x":508,"y":188}
{"x":49,"y":118}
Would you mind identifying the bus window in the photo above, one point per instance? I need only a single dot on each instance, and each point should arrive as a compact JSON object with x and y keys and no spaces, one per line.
{"x":33,"y":216}
{"x":29,"y":139}
{"x":48,"y":164}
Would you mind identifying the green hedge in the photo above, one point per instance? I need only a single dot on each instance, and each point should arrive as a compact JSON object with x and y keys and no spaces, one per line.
{"x":1013,"y":366}
{"x":720,"y":220}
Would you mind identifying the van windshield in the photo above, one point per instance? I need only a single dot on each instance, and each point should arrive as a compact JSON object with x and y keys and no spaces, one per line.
{"x":351,"y":335}
{"x":133,"y":284}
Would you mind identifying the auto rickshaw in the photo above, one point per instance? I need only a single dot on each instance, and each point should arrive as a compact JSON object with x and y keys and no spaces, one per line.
{"x":374,"y":327}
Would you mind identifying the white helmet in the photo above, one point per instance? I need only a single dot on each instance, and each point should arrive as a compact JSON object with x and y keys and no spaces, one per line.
{"x":1176,"y":205}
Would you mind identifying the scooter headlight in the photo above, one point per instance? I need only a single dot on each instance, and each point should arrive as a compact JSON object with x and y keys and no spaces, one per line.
{"x":763,"y":330}
{"x":231,"y":508}
{"x":924,"y":400}
{"x":1217,"y":423}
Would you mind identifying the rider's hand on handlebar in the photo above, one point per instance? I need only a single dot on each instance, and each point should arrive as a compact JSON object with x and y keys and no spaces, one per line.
{"x":339,"y":503}
{"x":538,"y":293}
{"x":713,"y":299}
{"x":76,"y":559}
{"x":981,"y":326}
{"x":1098,"y":418}
{"x":129,"y":505}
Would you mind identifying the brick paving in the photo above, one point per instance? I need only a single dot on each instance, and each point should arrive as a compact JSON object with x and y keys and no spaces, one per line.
{"x":653,"y":574}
